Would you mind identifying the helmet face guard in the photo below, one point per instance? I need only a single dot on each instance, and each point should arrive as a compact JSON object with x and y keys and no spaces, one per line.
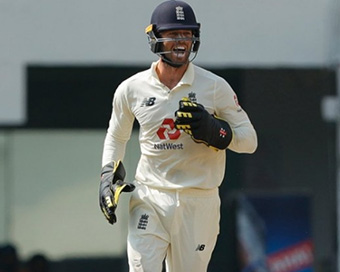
{"x":156,"y":46}
{"x":173,"y":15}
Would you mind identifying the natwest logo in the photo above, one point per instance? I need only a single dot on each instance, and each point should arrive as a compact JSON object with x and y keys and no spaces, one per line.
{"x":168,"y":130}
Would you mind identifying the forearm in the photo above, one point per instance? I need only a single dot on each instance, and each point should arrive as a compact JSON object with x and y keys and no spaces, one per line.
{"x":244,"y":139}
{"x":114,"y":149}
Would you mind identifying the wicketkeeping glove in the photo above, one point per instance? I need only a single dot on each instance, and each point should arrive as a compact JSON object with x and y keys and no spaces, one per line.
{"x":111,"y":185}
{"x":203,"y":127}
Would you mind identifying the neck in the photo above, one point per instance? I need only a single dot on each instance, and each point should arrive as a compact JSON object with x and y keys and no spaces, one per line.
{"x":169,"y":75}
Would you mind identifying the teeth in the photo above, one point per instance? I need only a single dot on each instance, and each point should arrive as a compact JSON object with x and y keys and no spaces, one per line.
{"x":179,"y":48}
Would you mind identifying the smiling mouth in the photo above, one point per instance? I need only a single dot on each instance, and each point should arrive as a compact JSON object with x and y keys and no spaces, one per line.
{"x":179,"y":51}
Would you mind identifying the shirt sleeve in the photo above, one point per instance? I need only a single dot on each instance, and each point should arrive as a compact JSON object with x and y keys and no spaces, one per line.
{"x":228,"y":108}
{"x":120,"y":127}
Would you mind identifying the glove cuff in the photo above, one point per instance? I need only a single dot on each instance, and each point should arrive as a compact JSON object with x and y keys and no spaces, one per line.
{"x":116,"y":169}
{"x":221,"y":134}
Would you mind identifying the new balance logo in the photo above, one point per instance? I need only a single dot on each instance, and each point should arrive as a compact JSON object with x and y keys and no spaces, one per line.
{"x":148,"y":101}
{"x":143,"y":222}
{"x":200,"y":247}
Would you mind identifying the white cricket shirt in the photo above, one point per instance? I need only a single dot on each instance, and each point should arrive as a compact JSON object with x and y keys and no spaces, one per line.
{"x":169,"y":157}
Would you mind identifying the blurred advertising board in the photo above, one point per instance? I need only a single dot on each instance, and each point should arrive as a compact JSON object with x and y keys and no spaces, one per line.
{"x":274,"y":233}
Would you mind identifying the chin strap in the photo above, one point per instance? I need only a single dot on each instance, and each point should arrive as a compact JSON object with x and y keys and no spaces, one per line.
{"x":176,"y":64}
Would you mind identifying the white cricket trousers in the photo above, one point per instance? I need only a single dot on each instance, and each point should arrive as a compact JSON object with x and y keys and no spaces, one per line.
{"x":180,"y":226}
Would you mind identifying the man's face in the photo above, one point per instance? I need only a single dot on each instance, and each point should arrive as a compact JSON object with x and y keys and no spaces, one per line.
{"x":179,"y":45}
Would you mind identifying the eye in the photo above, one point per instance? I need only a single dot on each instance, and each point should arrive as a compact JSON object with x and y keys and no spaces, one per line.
{"x":187,"y":34}
{"x":172,"y":35}
{"x":175,"y":34}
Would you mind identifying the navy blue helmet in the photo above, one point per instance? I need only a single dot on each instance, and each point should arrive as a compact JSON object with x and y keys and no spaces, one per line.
{"x":172,"y":15}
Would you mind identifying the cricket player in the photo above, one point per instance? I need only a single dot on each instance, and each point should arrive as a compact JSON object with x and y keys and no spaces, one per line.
{"x":188,"y":117}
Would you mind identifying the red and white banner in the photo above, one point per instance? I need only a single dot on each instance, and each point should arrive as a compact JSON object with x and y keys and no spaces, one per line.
{"x":291,"y":259}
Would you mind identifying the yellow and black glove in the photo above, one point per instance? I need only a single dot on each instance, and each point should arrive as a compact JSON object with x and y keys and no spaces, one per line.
{"x":111,"y":185}
{"x":203,"y":127}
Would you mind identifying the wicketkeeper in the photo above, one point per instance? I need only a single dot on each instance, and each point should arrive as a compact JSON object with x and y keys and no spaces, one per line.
{"x":188,"y":117}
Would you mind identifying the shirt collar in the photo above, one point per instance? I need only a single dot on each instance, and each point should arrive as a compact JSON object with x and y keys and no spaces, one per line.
{"x":187,"y":79}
